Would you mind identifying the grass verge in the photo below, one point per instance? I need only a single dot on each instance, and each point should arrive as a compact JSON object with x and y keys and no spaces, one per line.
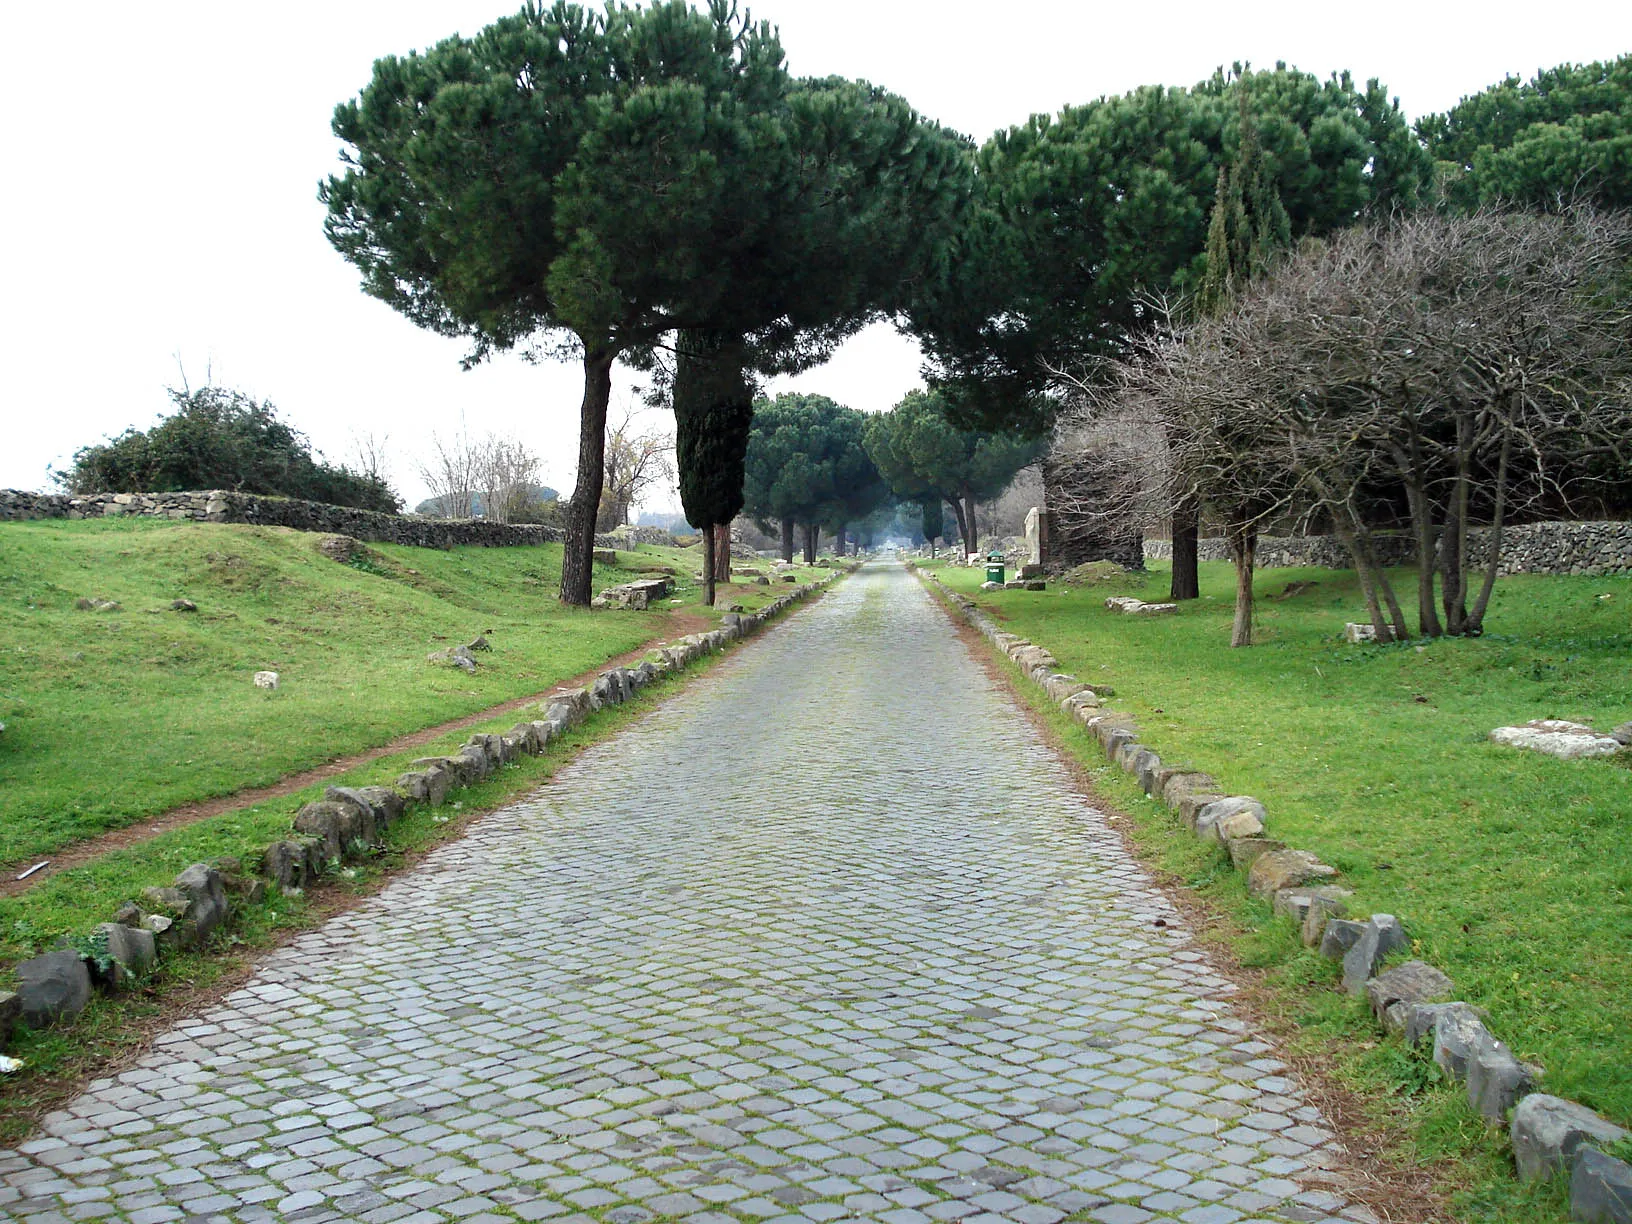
{"x":114,"y":716}
{"x":1506,"y":867}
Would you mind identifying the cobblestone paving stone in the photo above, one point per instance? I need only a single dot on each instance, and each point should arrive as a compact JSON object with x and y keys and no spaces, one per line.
{"x":761,"y":957}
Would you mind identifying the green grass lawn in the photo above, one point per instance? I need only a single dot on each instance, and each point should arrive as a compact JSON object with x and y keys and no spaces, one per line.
{"x":113,"y":716}
{"x":1512,"y":871}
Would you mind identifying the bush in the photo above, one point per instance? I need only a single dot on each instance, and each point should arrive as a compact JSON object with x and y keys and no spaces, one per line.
{"x":219,"y":438}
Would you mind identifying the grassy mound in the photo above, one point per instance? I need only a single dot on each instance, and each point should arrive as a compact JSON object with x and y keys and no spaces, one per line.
{"x":114,"y":715}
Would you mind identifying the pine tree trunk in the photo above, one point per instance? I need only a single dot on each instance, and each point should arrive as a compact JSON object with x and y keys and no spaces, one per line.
{"x":809,"y":543}
{"x":974,"y":528}
{"x":963,"y":527}
{"x":722,"y":552}
{"x":1186,"y":538}
{"x":1243,"y":540}
{"x":787,"y":539}
{"x":578,"y":555}
{"x":708,"y":565}
{"x":838,"y":541}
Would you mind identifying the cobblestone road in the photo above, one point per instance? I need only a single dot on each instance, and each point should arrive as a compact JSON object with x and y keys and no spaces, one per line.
{"x":763,"y":956}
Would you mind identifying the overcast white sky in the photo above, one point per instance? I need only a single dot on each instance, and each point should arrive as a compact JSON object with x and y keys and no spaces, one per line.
{"x":161,"y":196}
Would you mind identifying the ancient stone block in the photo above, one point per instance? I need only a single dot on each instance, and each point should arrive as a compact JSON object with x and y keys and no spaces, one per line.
{"x":1600,"y":1189}
{"x":1568,"y":741}
{"x":1339,"y":936}
{"x":1411,"y":983}
{"x":1383,"y":934}
{"x":1286,"y":869}
{"x":52,"y":987}
{"x":1547,"y":1131}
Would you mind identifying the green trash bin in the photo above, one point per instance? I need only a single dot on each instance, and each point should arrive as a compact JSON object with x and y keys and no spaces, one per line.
{"x":994,"y":572}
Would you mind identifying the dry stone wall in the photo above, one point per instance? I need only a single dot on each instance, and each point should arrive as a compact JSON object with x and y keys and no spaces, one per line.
{"x":225,"y":506}
{"x":1534,"y":548}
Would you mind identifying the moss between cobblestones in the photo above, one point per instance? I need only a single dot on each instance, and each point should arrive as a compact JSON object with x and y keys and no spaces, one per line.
{"x":113,"y":1026}
{"x":1418,"y":1119}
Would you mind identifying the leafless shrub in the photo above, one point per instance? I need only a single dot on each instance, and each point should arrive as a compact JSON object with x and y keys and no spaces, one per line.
{"x":1462,"y":366}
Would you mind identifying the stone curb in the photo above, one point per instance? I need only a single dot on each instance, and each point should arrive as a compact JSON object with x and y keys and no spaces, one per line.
{"x":346,"y":825}
{"x":1412,"y":999}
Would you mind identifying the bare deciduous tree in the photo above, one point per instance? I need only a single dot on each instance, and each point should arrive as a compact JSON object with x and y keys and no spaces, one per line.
{"x":498,"y":474}
{"x":1437,"y":370}
{"x":507,"y":475}
{"x":450,"y":473}
{"x":636,"y":459}
{"x":371,"y":455}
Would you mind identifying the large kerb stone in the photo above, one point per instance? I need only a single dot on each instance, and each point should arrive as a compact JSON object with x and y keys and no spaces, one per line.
{"x":131,"y":952}
{"x":1459,"y":1034}
{"x":53,"y":987}
{"x":1600,"y":1189}
{"x":1383,"y":935}
{"x":1404,"y":986}
{"x":1286,"y":869}
{"x":1236,"y":816}
{"x":207,"y":904}
{"x":1548,"y":1130}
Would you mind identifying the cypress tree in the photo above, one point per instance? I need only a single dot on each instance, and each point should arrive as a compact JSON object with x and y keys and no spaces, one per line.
{"x":1247,"y":233}
{"x":934,"y":521}
{"x":713,"y":414}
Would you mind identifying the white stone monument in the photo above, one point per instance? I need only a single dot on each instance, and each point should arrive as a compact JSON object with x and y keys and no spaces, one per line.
{"x":1034,"y":536}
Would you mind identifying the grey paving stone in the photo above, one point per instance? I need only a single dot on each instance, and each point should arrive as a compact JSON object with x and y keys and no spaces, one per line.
{"x":696,"y":978}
